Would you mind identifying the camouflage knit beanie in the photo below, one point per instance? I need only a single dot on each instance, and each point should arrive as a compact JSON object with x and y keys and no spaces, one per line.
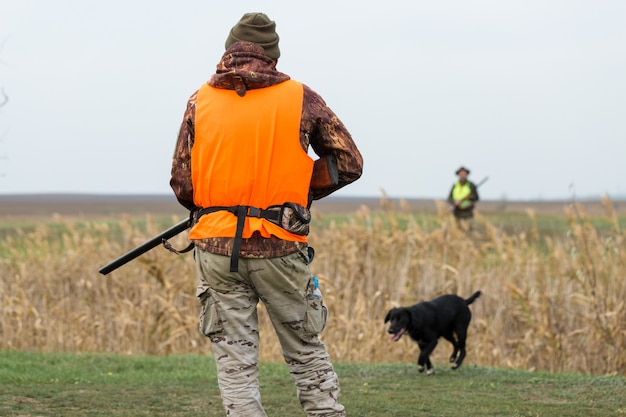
{"x":256,"y":28}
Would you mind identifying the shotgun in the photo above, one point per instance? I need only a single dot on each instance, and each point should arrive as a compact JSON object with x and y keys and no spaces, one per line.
{"x":325,"y":174}
{"x":145,"y":247}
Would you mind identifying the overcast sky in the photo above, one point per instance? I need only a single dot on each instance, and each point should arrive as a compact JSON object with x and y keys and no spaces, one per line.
{"x":530,"y":93}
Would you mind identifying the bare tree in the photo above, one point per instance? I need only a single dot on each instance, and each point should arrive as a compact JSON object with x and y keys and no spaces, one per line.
{"x":5,"y":98}
{"x":3,"y":101}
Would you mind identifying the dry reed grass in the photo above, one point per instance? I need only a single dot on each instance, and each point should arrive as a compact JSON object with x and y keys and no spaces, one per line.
{"x":554,"y":304}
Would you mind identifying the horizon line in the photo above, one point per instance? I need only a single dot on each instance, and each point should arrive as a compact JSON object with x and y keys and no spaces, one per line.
{"x":334,"y":197}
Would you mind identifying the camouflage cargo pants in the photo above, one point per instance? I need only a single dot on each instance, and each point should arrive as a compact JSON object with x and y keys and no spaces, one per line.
{"x":229,"y":318}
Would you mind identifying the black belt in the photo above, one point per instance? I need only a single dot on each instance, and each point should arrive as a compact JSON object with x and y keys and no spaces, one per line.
{"x":241,"y":212}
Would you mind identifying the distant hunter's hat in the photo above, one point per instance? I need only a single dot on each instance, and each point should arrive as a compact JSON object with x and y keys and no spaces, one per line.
{"x":256,"y":28}
{"x":462,"y":169}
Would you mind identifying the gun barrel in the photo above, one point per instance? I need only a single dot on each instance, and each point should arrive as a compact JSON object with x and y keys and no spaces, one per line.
{"x":145,"y":247}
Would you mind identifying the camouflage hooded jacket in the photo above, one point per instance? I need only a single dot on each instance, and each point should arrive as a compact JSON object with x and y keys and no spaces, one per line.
{"x":244,"y":66}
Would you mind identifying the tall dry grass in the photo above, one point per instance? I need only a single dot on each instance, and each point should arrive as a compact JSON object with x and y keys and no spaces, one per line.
{"x":548,"y":303}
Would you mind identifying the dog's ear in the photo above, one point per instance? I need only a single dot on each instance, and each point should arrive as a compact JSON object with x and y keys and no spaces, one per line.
{"x":388,"y":316}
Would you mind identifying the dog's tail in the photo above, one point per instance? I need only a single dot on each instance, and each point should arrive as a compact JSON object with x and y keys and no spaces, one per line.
{"x":473,"y":297}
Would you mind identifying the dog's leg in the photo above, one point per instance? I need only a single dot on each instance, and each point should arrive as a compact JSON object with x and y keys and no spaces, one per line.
{"x":453,"y":356}
{"x":420,"y":362}
{"x":429,"y":367}
{"x":462,"y":334}
{"x":424,"y":359}
{"x":450,"y":338}
{"x":459,"y":361}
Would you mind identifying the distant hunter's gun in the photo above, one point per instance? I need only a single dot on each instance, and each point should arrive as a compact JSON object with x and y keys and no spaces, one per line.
{"x":325,"y":174}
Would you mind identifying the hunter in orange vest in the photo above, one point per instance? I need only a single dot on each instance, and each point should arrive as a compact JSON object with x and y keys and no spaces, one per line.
{"x":242,"y":167}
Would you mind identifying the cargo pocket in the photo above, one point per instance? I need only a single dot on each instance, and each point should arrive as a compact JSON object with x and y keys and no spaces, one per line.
{"x":316,"y":312}
{"x":210,"y":323}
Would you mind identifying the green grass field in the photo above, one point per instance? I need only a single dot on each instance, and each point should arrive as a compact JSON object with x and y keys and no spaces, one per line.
{"x":72,"y":385}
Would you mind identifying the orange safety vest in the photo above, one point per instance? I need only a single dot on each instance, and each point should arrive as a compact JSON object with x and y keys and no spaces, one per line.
{"x":247,"y":152}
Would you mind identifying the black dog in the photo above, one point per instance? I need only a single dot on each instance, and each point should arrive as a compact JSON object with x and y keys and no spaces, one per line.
{"x":427,"y":321}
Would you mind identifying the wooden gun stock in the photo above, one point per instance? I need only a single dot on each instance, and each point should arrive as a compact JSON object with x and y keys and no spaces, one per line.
{"x":325,"y":172}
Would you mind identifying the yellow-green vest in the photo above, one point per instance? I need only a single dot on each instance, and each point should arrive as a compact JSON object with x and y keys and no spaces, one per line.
{"x":461,"y":191}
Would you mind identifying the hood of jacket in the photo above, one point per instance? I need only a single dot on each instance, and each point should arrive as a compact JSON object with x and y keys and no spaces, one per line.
{"x":244,"y":66}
